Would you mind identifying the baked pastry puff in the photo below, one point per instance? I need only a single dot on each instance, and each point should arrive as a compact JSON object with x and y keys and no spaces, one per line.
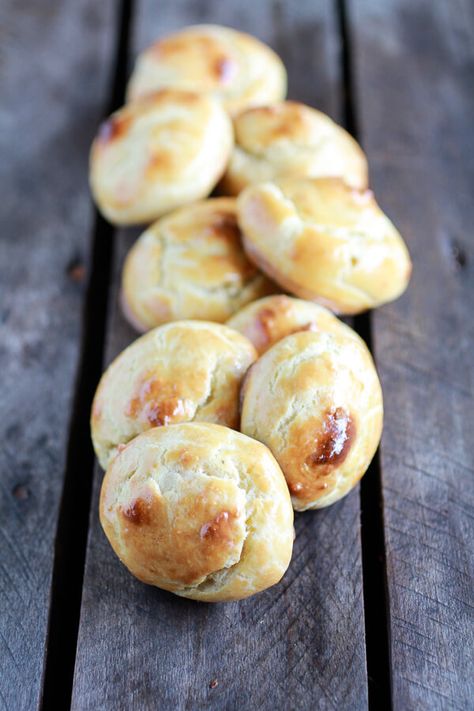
{"x":183,"y":371}
{"x":190,"y":264}
{"x":199,"y":510}
{"x":233,"y":67}
{"x":324,"y":241}
{"x":268,"y":320}
{"x":289,"y":139}
{"x":152,"y":156}
{"x":315,"y":400}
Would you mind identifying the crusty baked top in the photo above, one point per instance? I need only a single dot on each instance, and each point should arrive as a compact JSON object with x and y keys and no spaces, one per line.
{"x":324,"y":241}
{"x":290,"y":139}
{"x":268,"y":320}
{"x":200,"y":510}
{"x":190,"y":264}
{"x":158,"y":153}
{"x":183,"y":371}
{"x":233,"y":66}
{"x":315,"y":400}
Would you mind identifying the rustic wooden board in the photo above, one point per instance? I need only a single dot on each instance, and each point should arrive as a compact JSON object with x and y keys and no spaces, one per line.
{"x":299,"y":645}
{"x":415,"y":105}
{"x":52,"y":90}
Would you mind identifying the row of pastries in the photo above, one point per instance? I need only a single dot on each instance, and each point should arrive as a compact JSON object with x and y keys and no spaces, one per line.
{"x":246,"y":398}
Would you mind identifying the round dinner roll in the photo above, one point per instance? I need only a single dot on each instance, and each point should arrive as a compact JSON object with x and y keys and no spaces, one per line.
{"x":289,"y":139}
{"x":268,"y":320}
{"x":183,"y":371}
{"x":157,"y":154}
{"x":190,"y":264}
{"x":324,"y":241}
{"x":199,"y":510}
{"x":234,"y":67}
{"x":315,"y":400}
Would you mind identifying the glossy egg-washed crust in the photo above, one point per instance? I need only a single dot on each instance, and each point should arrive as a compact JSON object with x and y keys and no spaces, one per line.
{"x":315,"y":400}
{"x":157,"y":154}
{"x":199,"y":510}
{"x":324,"y":241}
{"x":179,"y":372}
{"x":289,"y":139}
{"x":268,"y":320}
{"x":235,"y":68}
{"x":190,"y":264}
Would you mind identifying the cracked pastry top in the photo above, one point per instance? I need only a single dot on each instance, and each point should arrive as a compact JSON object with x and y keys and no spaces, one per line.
{"x":190,"y":265}
{"x":315,"y":400}
{"x":268,"y":320}
{"x":182,"y":371}
{"x":324,"y":241}
{"x":199,"y":510}
{"x":159,"y":153}
{"x":234,"y":67}
{"x":290,"y":139}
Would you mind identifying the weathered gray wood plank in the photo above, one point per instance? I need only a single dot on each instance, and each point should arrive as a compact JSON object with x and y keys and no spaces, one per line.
{"x":299,"y":645}
{"x":52,"y":90}
{"x":414,"y":88}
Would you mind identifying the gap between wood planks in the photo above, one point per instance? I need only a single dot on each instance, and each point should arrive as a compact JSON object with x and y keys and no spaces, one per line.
{"x":71,"y":538}
{"x":371,"y":502}
{"x":73,"y":521}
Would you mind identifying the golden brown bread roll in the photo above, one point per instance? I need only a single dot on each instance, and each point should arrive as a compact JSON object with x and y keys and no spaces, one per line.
{"x":158,"y":154}
{"x":315,"y":400}
{"x":268,"y":320}
{"x":324,"y":241}
{"x":199,"y":510}
{"x":234,"y":67}
{"x":183,"y":371}
{"x":289,"y":139}
{"x":190,"y":264}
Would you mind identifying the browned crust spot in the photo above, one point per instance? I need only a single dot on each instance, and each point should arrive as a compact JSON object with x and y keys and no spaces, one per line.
{"x":224,"y":224}
{"x":219,"y":529}
{"x":112,"y":129}
{"x":267,"y":321}
{"x":137,"y":512}
{"x":312,"y":461}
{"x":180,"y":96}
{"x":335,"y":440}
{"x":159,"y":162}
{"x":157,"y":403}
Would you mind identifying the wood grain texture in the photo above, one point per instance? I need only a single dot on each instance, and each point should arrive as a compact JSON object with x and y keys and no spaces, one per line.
{"x":415,"y":102}
{"x":299,"y":645}
{"x":52,"y":89}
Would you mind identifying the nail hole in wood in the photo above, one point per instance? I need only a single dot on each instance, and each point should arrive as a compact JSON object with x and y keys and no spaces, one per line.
{"x":76,"y":270}
{"x":21,"y":492}
{"x":459,"y":255}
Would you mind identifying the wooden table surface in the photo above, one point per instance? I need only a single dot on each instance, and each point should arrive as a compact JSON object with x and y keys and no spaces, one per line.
{"x":377,"y":607}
